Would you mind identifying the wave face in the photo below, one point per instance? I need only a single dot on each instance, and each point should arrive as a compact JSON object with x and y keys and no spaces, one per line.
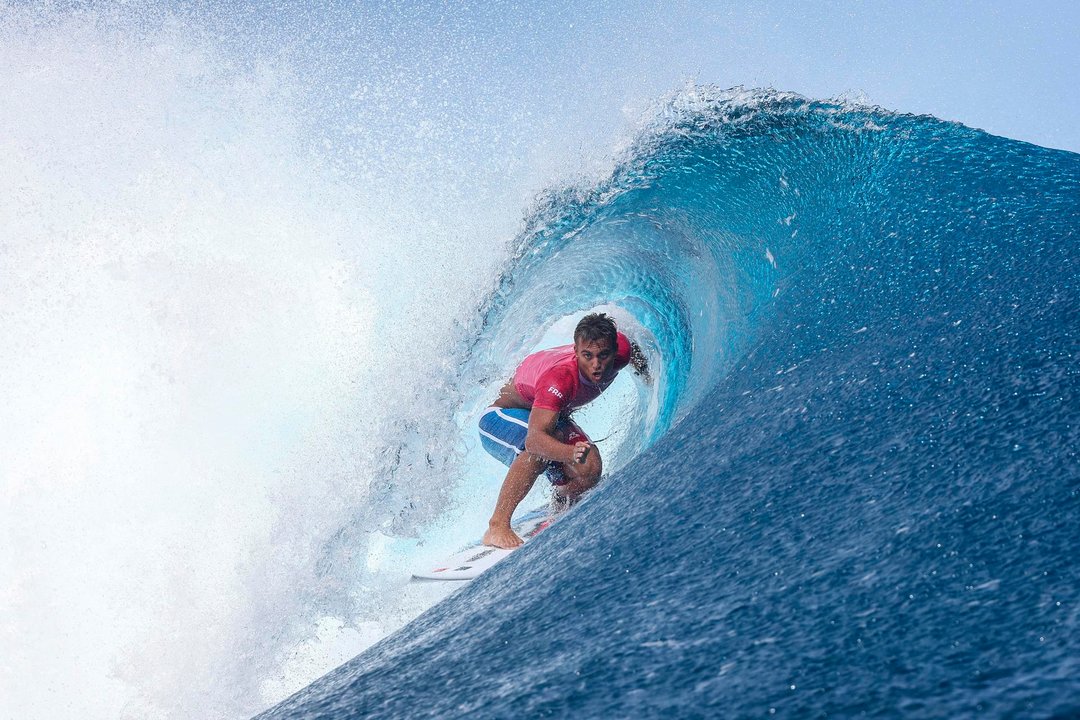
{"x":857,"y":491}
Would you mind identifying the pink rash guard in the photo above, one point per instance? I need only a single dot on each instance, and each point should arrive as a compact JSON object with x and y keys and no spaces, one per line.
{"x":550,"y":379}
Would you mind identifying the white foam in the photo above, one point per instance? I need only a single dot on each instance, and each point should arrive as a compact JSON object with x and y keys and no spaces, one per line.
{"x":230,"y":302}
{"x":213,"y":370}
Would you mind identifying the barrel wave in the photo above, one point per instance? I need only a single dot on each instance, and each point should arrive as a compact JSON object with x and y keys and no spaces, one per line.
{"x":856,"y":490}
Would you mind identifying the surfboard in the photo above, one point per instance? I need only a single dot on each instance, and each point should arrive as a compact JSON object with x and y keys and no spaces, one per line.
{"x":476,"y":557}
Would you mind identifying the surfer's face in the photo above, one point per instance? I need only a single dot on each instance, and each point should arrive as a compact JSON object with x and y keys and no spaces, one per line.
{"x":594,"y":358}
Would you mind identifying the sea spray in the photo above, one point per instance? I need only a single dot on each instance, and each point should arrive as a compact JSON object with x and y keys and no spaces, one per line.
{"x":219,"y":352}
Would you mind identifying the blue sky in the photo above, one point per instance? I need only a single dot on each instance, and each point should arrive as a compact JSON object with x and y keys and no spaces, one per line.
{"x":1008,"y":67}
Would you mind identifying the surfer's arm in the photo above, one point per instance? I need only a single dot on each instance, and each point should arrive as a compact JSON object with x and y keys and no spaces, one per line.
{"x":541,"y":439}
{"x":509,"y":397}
{"x":639,"y":362}
{"x":628,"y":352}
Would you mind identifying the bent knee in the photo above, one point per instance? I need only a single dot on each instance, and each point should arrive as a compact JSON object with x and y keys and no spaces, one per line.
{"x":579,"y":485}
{"x":594,"y":466}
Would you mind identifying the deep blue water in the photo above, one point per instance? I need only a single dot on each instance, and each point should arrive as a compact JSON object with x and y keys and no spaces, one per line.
{"x":860,"y":496}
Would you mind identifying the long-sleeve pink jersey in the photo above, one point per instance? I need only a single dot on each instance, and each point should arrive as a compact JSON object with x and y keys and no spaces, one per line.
{"x":550,"y":379}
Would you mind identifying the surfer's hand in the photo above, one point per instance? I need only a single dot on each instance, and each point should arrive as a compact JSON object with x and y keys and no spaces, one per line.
{"x":501,"y":536}
{"x":580,"y":452}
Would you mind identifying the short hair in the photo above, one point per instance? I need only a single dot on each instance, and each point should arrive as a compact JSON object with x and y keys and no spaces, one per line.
{"x":597,"y":326}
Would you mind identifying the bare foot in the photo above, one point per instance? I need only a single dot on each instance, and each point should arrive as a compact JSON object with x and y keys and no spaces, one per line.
{"x":502,"y":537}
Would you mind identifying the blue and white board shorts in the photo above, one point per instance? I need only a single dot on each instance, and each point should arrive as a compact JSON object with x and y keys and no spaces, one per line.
{"x":503,"y":430}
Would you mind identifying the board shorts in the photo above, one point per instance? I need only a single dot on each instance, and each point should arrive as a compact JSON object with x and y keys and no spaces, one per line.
{"x":503,"y":430}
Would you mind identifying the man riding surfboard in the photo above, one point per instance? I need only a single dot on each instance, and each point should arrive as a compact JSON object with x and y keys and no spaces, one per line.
{"x":529,"y":427}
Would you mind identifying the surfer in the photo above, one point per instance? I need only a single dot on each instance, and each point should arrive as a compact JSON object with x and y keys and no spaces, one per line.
{"x":529,"y":427}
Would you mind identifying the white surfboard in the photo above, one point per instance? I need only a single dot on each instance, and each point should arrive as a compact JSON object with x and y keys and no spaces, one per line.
{"x":476,"y":557}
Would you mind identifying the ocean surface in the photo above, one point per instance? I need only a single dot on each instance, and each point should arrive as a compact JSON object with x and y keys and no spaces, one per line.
{"x":854,"y":491}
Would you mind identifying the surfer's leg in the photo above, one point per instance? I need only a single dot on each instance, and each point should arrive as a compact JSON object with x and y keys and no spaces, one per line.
{"x":519,"y":480}
{"x":581,"y":477}
{"x":502,"y":433}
